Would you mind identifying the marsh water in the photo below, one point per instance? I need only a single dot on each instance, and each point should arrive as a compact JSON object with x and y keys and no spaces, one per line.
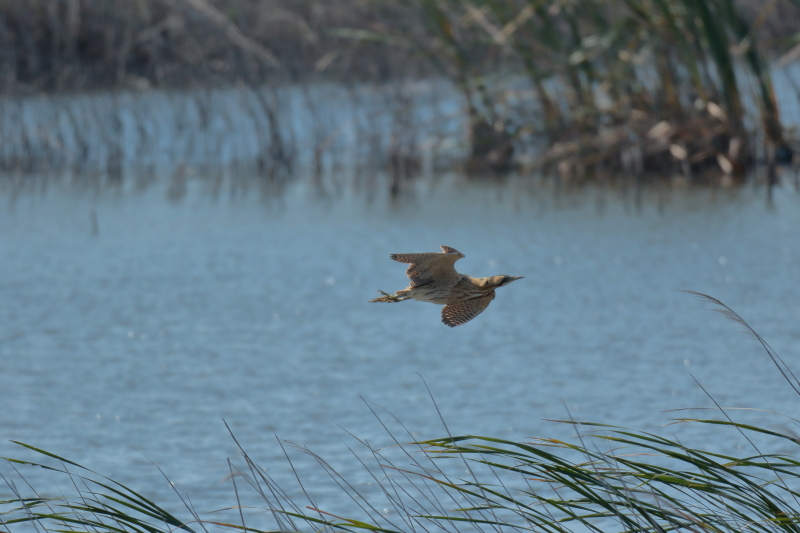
{"x":134,"y":322}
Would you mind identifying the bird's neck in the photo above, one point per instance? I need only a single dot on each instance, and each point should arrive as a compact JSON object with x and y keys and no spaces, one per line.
{"x":484,"y":283}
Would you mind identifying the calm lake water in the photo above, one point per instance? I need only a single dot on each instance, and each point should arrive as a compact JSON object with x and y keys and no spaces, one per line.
{"x":134,"y":321}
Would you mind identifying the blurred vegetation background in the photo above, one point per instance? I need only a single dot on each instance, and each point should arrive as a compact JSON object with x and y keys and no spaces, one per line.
{"x":57,"y":45}
{"x":591,"y":87}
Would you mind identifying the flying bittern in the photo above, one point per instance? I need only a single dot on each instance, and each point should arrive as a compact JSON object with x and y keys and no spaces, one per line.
{"x":434,"y":279}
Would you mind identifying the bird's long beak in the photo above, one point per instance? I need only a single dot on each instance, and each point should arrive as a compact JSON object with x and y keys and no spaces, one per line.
{"x":515,"y":278}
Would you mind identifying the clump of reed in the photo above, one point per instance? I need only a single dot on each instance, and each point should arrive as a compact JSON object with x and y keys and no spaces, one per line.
{"x":608,"y":478}
{"x":603,"y":87}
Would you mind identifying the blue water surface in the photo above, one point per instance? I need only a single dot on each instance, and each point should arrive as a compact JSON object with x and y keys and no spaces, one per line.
{"x":135,"y":323}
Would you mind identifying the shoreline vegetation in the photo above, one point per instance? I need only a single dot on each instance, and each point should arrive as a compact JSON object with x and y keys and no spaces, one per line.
{"x":583,"y":90}
{"x":605,"y":478}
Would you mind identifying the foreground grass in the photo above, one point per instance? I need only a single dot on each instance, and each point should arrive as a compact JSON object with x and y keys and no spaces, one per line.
{"x":609,"y":479}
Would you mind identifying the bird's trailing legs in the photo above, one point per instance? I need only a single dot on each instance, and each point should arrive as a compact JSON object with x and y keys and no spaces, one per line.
{"x":396,"y":297}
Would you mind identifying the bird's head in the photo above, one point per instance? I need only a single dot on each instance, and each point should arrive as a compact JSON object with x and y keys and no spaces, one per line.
{"x":502,"y":281}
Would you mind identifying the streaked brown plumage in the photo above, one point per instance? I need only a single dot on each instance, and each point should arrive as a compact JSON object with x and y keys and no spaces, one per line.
{"x":434,"y":279}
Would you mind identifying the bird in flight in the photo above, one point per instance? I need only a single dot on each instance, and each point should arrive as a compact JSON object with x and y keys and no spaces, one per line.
{"x":434,"y":279}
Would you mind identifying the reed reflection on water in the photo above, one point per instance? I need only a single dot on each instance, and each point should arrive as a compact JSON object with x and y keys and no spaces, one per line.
{"x":137,"y":314}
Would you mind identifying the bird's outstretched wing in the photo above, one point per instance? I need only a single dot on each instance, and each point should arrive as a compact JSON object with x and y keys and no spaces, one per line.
{"x":426,"y":267}
{"x":458,"y":313}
